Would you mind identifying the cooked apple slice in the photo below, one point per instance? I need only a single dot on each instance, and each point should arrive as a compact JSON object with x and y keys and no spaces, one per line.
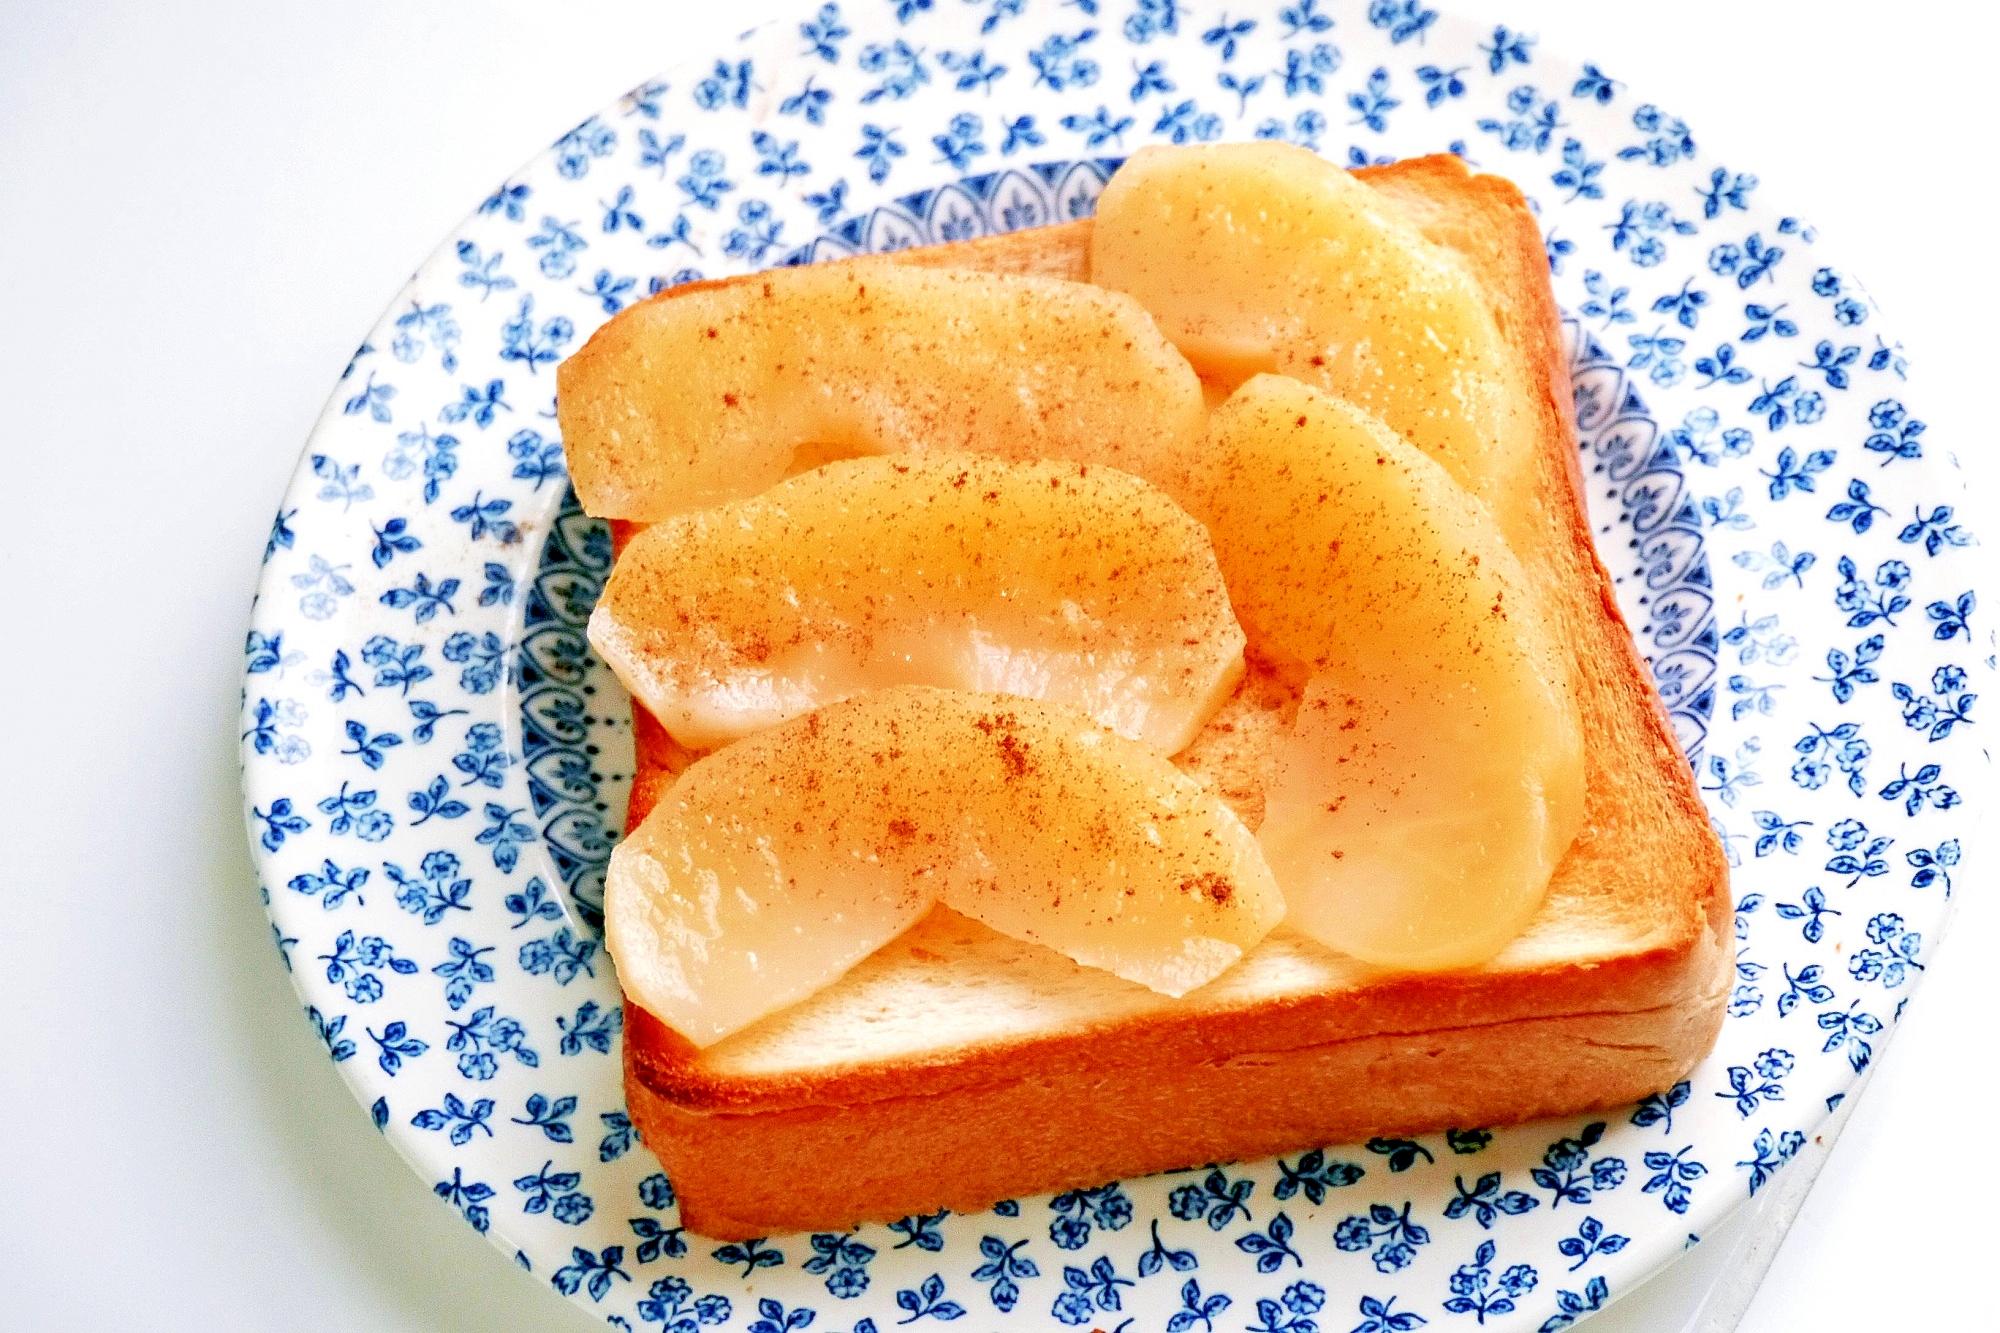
{"x":704,"y":396}
{"x":1266,"y":257}
{"x":1434,"y":776}
{"x":773,"y":866}
{"x":1058,"y":581}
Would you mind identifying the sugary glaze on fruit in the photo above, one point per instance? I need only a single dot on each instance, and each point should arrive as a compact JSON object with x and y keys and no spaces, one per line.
{"x":1057,"y":580}
{"x":1434,"y":774}
{"x":775,"y":864}
{"x":1266,"y":257}
{"x":712,"y":392}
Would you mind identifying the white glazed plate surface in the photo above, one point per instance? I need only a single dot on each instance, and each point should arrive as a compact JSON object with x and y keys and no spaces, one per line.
{"x":435,"y":765}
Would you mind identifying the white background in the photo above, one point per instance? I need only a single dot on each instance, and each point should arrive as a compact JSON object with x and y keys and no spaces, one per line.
{"x":202,"y":208}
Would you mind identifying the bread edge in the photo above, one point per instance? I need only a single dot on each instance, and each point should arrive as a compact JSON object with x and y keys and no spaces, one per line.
{"x":819,"y":1168}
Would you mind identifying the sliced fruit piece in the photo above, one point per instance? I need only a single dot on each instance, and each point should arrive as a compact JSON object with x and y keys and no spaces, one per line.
{"x":1058,"y":581}
{"x":1266,"y":257}
{"x":773,"y":866}
{"x":1434,"y":776}
{"x":703,"y":396}
{"x":1099,"y":848}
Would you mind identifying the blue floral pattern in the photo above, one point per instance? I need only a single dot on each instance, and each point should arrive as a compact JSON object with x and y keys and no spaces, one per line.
{"x":436,"y":766}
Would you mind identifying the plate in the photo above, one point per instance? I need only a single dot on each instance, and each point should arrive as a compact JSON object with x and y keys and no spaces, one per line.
{"x":435,"y":765}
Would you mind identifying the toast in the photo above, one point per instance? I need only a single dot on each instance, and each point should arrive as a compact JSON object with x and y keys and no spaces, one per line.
{"x":957,"y":1066}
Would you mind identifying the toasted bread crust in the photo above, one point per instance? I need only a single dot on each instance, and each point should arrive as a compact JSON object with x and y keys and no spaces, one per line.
{"x":1628,"y":1011}
{"x":1142,"y":1110}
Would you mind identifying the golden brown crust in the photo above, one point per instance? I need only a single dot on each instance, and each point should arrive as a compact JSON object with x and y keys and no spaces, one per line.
{"x":1600,"y":1025}
{"x":1061,"y":250}
{"x":828,"y":1167}
{"x":1058,"y":251}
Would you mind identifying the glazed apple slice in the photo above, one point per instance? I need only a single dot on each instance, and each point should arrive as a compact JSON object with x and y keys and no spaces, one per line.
{"x":1260,"y":257}
{"x":773,"y":866}
{"x":1434,"y":776}
{"x":711,"y":394}
{"x":1057,"y":581}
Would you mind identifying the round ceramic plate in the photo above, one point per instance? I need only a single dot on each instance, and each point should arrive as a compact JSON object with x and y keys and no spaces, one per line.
{"x":435,"y":765}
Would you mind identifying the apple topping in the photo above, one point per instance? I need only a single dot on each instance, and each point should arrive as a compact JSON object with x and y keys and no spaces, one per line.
{"x":1058,"y":581}
{"x":1434,"y":776}
{"x":1265,"y":257}
{"x":773,"y":866}
{"x":711,"y":394}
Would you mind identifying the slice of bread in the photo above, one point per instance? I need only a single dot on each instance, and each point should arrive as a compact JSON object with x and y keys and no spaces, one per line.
{"x":957,"y":1066}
